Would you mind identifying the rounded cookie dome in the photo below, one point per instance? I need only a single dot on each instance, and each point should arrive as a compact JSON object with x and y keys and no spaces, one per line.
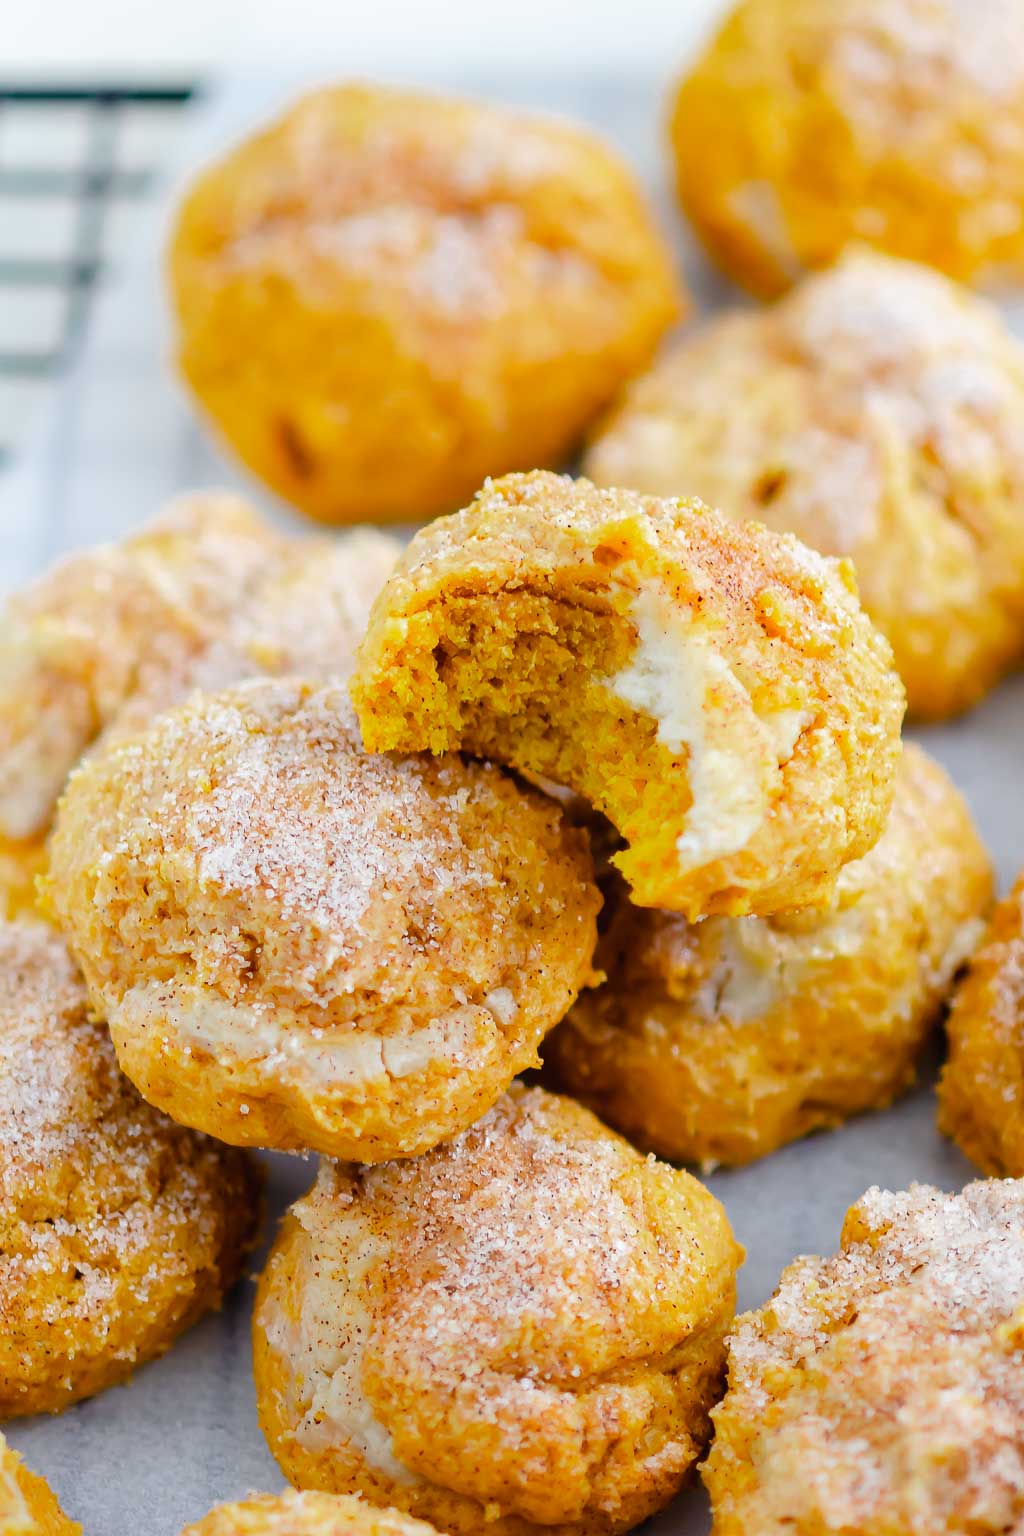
{"x":521,"y":1329}
{"x":300,"y":945}
{"x":880,"y":1390}
{"x":809,"y":124}
{"x":386,"y":296}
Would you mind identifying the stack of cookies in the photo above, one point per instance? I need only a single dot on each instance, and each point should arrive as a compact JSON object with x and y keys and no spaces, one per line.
{"x":319,"y":845}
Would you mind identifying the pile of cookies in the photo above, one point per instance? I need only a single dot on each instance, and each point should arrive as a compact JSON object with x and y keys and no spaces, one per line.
{"x":319,"y":845}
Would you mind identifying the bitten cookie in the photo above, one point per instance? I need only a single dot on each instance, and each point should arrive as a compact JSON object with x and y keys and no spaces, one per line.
{"x":118,"y":1229}
{"x":809,"y":124}
{"x":386,"y":296}
{"x":881,"y":1391}
{"x":521,"y":1329}
{"x":878,"y":413}
{"x":719,"y":1041}
{"x":299,"y":945}
{"x":981,"y":1094}
{"x":715,"y":691}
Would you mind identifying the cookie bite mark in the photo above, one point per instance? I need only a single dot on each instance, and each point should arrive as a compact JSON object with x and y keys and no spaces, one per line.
{"x":715,"y":691}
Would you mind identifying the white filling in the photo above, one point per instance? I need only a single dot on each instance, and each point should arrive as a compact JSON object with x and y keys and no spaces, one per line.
{"x":326,"y":1344}
{"x":234,"y":1033}
{"x":678,"y":678}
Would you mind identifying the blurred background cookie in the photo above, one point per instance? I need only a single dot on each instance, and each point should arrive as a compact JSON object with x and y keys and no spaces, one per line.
{"x":300,"y":945}
{"x":808,"y":124}
{"x":981,"y":1095}
{"x":118,"y":1229}
{"x":719,"y":1041}
{"x":27,"y":1505}
{"x":205,"y":594}
{"x":715,"y":691}
{"x":522,"y":1329}
{"x":386,"y":296}
{"x":877,"y":413}
{"x":880,"y":1390}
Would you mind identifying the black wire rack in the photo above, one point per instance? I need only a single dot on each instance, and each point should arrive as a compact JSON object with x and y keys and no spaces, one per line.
{"x":89,"y":181}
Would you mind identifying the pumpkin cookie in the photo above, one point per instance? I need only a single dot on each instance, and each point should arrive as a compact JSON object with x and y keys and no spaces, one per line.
{"x":521,"y":1329}
{"x":386,"y":296}
{"x":306,"y":1514}
{"x":715,"y":691}
{"x":881,"y":1391}
{"x":877,"y":413}
{"x":118,"y":1229}
{"x":27,"y":1505}
{"x":20,"y":864}
{"x":809,"y":124}
{"x":299,"y":945}
{"x":719,"y":1041}
{"x":205,"y":594}
{"x":981,"y":1095}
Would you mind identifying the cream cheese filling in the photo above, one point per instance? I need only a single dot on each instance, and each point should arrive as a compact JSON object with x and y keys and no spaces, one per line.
{"x":679,"y":678}
{"x":325,"y":1345}
{"x":256,"y":1036}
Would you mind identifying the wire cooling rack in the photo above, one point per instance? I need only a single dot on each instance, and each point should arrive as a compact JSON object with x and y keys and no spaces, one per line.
{"x":77,"y":165}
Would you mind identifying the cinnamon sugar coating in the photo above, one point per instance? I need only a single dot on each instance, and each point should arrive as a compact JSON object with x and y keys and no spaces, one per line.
{"x":717,"y":1042}
{"x":205,"y":594}
{"x":300,"y":945}
{"x":118,"y":1229}
{"x":715,"y":691}
{"x":27,"y":1504}
{"x":807,"y":125}
{"x":387,"y":295}
{"x":881,"y":1390}
{"x":878,"y":413}
{"x":521,"y":1329}
{"x":306,"y":1514}
{"x":981,"y":1095}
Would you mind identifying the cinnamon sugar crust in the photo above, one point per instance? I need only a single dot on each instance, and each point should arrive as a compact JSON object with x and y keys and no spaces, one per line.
{"x":522,"y":1329}
{"x":204,"y":595}
{"x":118,"y":1229}
{"x":300,"y":945}
{"x":880,"y":1390}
